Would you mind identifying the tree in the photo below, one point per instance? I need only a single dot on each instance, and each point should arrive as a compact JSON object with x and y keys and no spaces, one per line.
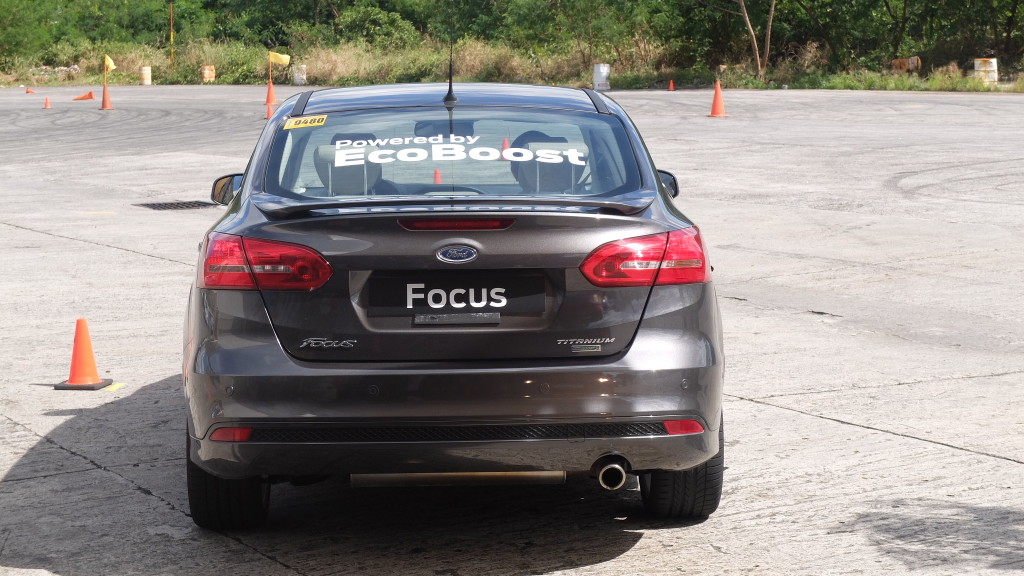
{"x":593,"y":26}
{"x":23,"y":29}
{"x":760,"y":51}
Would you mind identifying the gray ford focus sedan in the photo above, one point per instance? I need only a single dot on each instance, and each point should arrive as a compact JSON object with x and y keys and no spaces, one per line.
{"x":431,"y":284}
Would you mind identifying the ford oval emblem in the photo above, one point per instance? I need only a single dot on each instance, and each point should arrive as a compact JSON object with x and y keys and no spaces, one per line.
{"x":457,"y":254}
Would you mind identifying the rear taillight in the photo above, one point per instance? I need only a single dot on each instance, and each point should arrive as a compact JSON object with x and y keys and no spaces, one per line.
{"x":234,"y":262}
{"x":224,"y":264}
{"x":685,"y":259}
{"x":283,"y":266}
{"x":672,"y":258}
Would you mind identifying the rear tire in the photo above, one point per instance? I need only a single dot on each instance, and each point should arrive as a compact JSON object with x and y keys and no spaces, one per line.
{"x":688,"y":494}
{"x":217,"y":503}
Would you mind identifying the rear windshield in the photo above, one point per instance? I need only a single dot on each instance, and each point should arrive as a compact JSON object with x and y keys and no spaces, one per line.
{"x":493,"y":151}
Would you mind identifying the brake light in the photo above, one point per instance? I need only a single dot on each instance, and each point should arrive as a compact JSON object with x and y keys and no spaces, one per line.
{"x":239,"y":263}
{"x":284,"y":266}
{"x":631,"y":262}
{"x":224,"y":264}
{"x":675,"y":257}
{"x":455,"y":224}
{"x":685,"y":259}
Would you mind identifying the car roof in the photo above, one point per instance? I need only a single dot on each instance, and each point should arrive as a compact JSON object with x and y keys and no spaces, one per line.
{"x":432,"y":95}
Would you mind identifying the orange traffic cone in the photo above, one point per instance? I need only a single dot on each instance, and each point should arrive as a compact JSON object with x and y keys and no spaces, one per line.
{"x":83,"y":364}
{"x":717,"y":105}
{"x":105,"y":105}
{"x":29,"y":91}
{"x":46,"y":103}
{"x":271,"y":99}
{"x":437,"y":176}
{"x":671,"y":85}
{"x":87,"y":96}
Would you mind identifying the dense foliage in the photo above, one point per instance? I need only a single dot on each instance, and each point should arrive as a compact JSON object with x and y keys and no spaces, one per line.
{"x":634,"y":35}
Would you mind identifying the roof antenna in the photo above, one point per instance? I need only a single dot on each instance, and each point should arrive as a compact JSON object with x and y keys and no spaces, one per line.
{"x":449,"y":99}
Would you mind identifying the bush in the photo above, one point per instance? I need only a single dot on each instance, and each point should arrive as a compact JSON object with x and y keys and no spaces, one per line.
{"x":338,"y":66}
{"x":83,"y":60}
{"x":867,"y":80}
{"x":303,"y":36}
{"x":68,"y":52}
{"x":234,"y":62}
{"x":951,"y":79}
{"x":697,"y":75}
{"x":634,"y":80}
{"x":378,"y":28}
{"x":484,"y":62}
{"x":740,"y":76}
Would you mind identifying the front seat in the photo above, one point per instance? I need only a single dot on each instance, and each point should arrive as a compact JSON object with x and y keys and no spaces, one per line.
{"x":354,"y":180}
{"x":546,"y":176}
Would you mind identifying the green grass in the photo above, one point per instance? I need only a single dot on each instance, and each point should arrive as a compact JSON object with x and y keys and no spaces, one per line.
{"x":354,"y":64}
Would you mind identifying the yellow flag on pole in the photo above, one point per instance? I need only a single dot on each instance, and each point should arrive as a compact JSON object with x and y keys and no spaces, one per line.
{"x":108,"y":64}
{"x":282,"y":59}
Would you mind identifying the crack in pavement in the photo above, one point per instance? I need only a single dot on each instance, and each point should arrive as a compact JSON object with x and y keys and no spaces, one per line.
{"x":91,"y":468}
{"x":241,"y":542}
{"x":876,"y":429}
{"x":93,"y":465}
{"x":100,"y":244}
{"x":135,"y":486}
{"x":842,"y":265}
{"x":892,"y":385}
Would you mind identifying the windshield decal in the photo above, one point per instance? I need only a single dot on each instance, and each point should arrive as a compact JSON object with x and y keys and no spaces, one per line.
{"x":358,"y":152}
{"x":305,"y":122}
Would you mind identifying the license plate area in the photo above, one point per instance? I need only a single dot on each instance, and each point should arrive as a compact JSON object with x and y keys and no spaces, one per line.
{"x":457,"y":296}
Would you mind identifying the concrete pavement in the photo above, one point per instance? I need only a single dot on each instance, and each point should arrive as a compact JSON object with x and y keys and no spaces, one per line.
{"x":869,"y":255}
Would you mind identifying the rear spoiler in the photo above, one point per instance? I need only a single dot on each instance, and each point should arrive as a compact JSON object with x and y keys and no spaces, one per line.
{"x":276,"y":207}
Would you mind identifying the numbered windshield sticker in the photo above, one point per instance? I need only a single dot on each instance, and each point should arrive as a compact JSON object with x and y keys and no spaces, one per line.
{"x":305,"y":122}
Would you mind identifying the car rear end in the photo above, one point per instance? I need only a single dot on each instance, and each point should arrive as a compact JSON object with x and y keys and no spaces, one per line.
{"x":431,"y":293}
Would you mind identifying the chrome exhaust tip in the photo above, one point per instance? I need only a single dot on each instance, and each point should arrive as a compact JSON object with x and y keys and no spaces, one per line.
{"x":612,"y":472}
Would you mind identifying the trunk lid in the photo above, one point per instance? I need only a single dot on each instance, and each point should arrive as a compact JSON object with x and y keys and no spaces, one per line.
{"x":425,"y":295}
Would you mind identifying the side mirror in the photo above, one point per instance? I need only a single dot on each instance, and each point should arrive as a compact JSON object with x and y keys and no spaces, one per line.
{"x":669,"y":180}
{"x":225,"y":188}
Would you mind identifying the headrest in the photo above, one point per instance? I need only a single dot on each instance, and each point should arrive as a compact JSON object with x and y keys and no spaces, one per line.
{"x":552,"y":169}
{"x":353,"y":137}
{"x":356,"y":179}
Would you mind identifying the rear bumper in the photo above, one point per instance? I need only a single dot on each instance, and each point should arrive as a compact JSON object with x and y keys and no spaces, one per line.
{"x":240,"y":460}
{"x":236,"y":374}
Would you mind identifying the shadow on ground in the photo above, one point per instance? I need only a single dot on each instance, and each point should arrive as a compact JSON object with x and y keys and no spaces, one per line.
{"x":931,"y":532}
{"x":104,"y":492}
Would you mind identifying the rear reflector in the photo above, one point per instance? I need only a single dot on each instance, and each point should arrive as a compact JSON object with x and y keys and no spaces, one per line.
{"x":231,"y":435}
{"x":679,"y":427}
{"x":675,"y":257}
{"x":455,"y":224}
{"x":234,"y":262}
